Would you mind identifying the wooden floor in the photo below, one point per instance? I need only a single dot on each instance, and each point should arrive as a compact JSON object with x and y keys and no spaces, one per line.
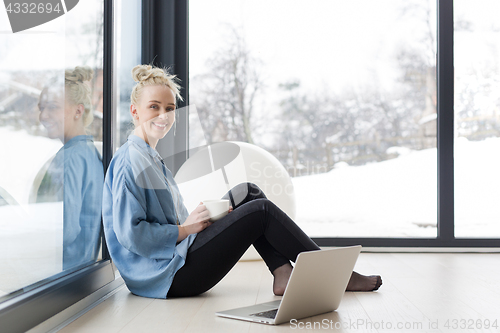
{"x":422,"y":292}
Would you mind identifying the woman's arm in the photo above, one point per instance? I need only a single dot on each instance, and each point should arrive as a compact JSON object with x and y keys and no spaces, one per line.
{"x":146,"y":237}
{"x":197,"y":221}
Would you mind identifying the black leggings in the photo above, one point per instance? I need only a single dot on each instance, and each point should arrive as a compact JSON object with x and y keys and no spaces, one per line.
{"x":255,"y":220}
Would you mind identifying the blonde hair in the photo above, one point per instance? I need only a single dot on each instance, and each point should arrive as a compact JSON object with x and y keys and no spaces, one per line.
{"x":146,"y":75}
{"x":78,"y":92}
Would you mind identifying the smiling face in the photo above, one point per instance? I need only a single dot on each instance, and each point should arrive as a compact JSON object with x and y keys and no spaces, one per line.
{"x":154,"y":113}
{"x":59,"y":116}
{"x":51,"y":106}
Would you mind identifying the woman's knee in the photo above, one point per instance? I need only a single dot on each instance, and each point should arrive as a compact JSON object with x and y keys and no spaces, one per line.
{"x":262,"y":206}
{"x":251,"y":214}
{"x":244,"y":193}
{"x":255,"y":191}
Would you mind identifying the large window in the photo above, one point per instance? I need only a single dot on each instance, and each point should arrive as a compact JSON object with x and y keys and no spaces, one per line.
{"x":51,"y":175}
{"x":477,"y":113}
{"x":343,"y":93}
{"x":53,"y":108}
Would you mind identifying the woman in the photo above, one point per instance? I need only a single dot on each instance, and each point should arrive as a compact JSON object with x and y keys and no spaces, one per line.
{"x":75,"y":175}
{"x":160,"y":249}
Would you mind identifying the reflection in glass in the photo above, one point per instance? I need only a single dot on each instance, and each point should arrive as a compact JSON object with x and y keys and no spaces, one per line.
{"x":45,"y":158}
{"x":75,"y":175}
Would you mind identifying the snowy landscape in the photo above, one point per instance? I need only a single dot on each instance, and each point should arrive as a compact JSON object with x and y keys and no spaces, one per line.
{"x":398,"y":197}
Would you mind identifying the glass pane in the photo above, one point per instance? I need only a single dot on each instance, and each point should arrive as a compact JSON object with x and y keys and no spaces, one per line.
{"x":477,"y":113}
{"x":128,"y":56}
{"x":51,"y":175}
{"x":342,"y":93}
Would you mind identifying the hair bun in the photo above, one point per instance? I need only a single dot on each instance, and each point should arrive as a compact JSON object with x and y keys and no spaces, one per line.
{"x":142,"y":73}
{"x":79,"y":74}
{"x":147,"y":75}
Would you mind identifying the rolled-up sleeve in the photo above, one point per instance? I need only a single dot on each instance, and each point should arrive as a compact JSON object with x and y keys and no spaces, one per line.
{"x":150,"y":239}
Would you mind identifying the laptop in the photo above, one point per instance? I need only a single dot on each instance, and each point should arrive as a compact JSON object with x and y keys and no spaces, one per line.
{"x":317,"y":284}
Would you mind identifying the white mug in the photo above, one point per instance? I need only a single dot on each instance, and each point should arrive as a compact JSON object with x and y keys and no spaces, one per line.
{"x":217,"y":209}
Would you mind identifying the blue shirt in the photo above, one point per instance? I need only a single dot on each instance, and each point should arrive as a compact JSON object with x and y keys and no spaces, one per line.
{"x":75,"y":176}
{"x":140,"y":212}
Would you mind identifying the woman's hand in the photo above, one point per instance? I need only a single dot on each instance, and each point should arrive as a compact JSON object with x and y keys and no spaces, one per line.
{"x":197,"y":221}
{"x":230,"y":209}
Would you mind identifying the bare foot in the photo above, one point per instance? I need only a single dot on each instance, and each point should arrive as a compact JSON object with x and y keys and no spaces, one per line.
{"x":360,"y":282}
{"x":281,"y":277}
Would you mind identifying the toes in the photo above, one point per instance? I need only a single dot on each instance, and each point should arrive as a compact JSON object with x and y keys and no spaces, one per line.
{"x":364,"y":283}
{"x":279,"y":291}
{"x":378,"y":282}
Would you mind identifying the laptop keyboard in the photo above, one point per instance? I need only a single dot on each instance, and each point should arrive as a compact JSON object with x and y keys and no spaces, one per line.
{"x":266,"y":314}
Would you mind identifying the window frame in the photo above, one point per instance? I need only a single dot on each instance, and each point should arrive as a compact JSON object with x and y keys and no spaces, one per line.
{"x":165,"y":43}
{"x":445,"y":160}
